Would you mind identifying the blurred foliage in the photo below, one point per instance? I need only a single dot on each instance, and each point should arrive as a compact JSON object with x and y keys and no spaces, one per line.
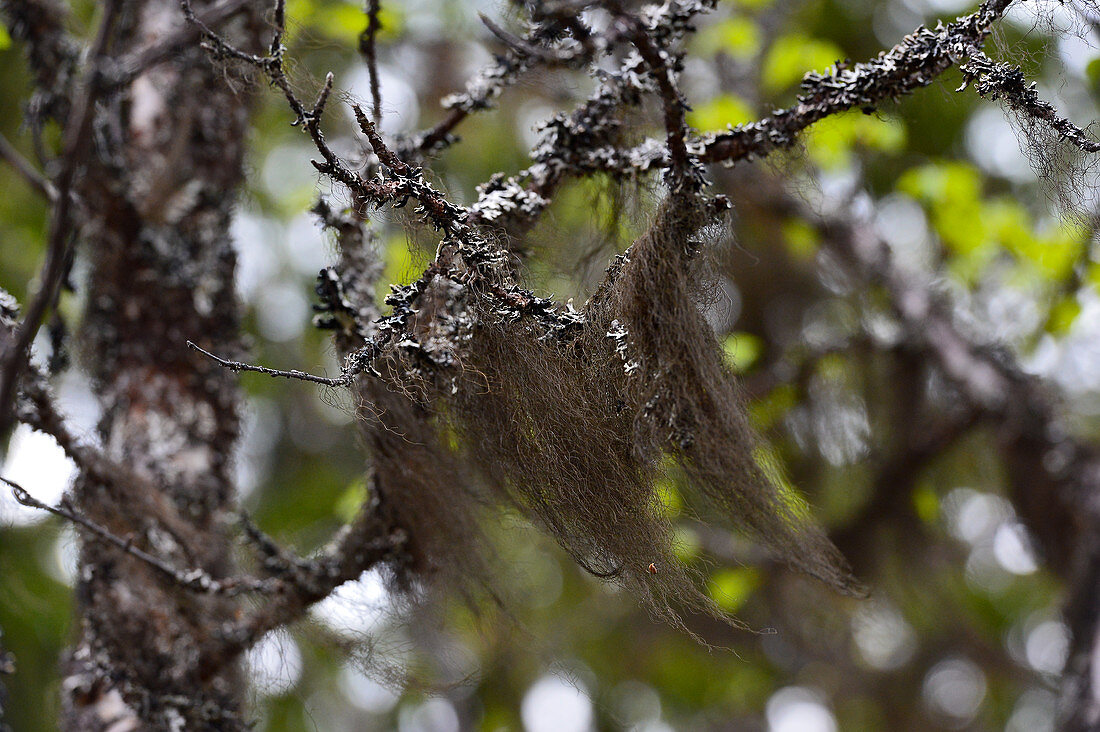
{"x":954,"y":596}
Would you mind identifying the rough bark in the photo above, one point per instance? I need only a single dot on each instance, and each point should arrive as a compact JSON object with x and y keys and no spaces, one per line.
{"x":159,"y":192}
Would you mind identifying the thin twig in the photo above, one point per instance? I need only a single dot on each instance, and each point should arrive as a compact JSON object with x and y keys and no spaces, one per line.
{"x":1004,"y":81}
{"x":551,"y":57}
{"x":491,"y":81}
{"x":194,"y":579}
{"x":37,"y":409}
{"x":358,"y":547}
{"x":26,"y":171}
{"x":291,"y":374}
{"x":369,"y":53}
{"x":276,"y":557}
{"x":673,"y":105}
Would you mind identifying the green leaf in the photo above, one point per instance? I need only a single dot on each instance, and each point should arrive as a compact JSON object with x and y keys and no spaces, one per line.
{"x":952,"y":191}
{"x":830,"y":142}
{"x":926,"y":504}
{"x":765,"y":412}
{"x":403,"y":260}
{"x":731,"y":588}
{"x":1062,"y":316}
{"x":754,"y":4}
{"x":5,"y":39}
{"x":802,"y":239}
{"x":724,"y":110}
{"x":737,"y":37}
{"x":742,"y":351}
{"x":344,"y":21}
{"x":1092,"y":71}
{"x":942,"y":181}
{"x":347,"y":505}
{"x":792,"y":56}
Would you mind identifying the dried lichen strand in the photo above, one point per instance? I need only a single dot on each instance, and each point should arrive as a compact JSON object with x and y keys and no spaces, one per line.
{"x":685,"y":400}
{"x":418,"y":485}
{"x":567,"y":415}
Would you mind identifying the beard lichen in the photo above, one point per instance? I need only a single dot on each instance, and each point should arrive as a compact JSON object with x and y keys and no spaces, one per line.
{"x":574,"y":425}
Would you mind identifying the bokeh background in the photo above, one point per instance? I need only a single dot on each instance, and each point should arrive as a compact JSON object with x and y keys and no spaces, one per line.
{"x":962,"y":629}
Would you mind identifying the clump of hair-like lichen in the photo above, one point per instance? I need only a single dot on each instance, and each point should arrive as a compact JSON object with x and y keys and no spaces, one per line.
{"x":572,"y":426}
{"x":569,"y":418}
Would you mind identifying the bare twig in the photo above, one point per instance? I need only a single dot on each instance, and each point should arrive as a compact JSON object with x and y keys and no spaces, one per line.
{"x":369,"y":53}
{"x":26,"y":171}
{"x":291,"y":374}
{"x":195,"y":579}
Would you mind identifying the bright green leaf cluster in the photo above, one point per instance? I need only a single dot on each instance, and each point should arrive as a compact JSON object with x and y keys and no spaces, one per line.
{"x":802,"y":238}
{"x":830,"y":142}
{"x":792,"y":56}
{"x":976,"y":228}
{"x":742,"y":351}
{"x":737,"y":37}
{"x":720,"y":112}
{"x":731,"y":588}
{"x":343,"y":21}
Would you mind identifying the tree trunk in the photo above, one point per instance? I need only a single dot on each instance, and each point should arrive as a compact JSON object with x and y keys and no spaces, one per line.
{"x":159,"y":195}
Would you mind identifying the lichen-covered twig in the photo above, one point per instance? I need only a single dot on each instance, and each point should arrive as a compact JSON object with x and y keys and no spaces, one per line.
{"x":523,"y":55}
{"x":916,"y":62}
{"x":1007,"y":83}
{"x":586,"y":140}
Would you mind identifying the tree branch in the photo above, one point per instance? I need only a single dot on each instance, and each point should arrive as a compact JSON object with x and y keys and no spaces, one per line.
{"x":27,"y":171}
{"x":916,"y":62}
{"x":77,"y":135}
{"x":1004,"y":81}
{"x":237,"y":366}
{"x":195,"y":580}
{"x":369,"y":53}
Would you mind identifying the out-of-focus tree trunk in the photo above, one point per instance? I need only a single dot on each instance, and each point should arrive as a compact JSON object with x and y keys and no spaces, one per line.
{"x":159,"y":195}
